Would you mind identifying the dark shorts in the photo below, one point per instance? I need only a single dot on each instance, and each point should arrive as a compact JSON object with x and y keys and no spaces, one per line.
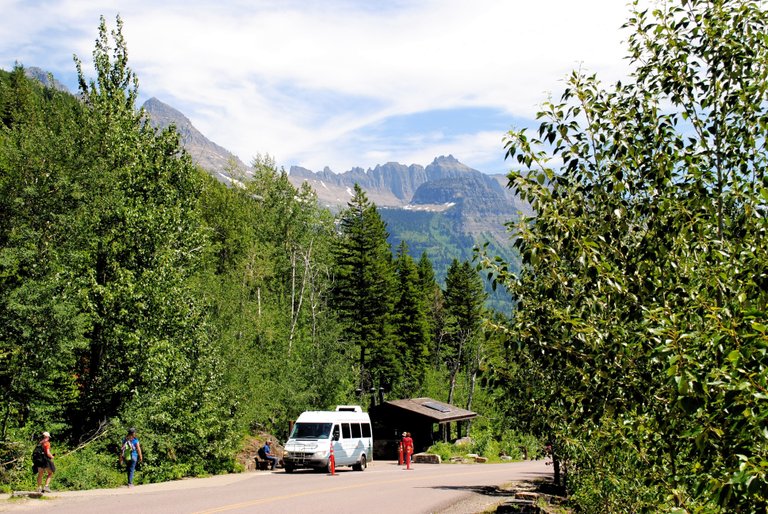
{"x":48,"y":465}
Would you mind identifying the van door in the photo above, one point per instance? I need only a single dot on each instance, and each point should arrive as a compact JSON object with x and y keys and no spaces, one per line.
{"x":337,"y":443}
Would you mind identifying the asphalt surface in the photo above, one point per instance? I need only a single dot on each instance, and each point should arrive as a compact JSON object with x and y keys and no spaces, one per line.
{"x":385,"y":487}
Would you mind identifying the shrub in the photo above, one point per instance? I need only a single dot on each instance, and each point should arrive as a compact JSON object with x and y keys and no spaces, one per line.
{"x":444,"y":450}
{"x":521,"y":446}
{"x":88,"y":469}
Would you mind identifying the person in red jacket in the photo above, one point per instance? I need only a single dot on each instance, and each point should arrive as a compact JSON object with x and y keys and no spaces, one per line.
{"x":407,"y":447}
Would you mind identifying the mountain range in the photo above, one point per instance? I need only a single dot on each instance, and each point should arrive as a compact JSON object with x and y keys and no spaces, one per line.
{"x":444,"y":184}
{"x":444,"y":208}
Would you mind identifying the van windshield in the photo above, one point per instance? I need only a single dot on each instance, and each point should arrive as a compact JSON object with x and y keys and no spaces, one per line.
{"x":311,"y":431}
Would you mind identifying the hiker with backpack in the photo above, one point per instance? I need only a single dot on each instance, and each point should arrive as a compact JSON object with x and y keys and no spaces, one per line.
{"x":42,"y":461}
{"x":130,"y":453}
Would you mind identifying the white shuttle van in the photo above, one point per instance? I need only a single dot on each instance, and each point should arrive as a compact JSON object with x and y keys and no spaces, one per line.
{"x":347,"y":428}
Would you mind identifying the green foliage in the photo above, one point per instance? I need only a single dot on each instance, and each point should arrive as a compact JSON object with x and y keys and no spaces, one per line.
{"x":516,"y":446}
{"x":462,"y":348}
{"x":271,"y":271}
{"x":444,"y":450}
{"x":493,"y":442}
{"x":100,"y":239}
{"x":135,"y":290}
{"x":442,"y":238}
{"x":40,"y":325}
{"x":364,"y":292}
{"x":411,"y":324}
{"x":520,"y":446}
{"x":86,"y":469}
{"x":433,"y":233}
{"x":642,"y":297}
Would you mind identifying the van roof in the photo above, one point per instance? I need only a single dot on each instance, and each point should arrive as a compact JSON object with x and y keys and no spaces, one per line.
{"x":319,"y":416}
{"x":349,"y":408}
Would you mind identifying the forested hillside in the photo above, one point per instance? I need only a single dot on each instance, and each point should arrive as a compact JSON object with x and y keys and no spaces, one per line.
{"x":136,"y":290}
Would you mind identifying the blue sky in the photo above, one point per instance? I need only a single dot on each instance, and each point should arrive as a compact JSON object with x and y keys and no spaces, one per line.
{"x":337,"y":83}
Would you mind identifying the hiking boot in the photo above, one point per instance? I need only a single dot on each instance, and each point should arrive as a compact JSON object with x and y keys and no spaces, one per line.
{"x":45,"y":490}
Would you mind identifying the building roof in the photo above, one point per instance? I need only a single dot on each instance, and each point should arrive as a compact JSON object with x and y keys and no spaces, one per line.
{"x":439,"y":412}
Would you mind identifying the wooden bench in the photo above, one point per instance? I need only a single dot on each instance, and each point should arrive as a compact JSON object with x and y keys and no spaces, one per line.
{"x":261,"y":464}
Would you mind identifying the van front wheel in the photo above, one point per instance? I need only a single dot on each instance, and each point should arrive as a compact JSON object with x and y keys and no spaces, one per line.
{"x":361,"y":465}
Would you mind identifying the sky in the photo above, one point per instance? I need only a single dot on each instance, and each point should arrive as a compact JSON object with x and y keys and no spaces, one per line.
{"x":337,"y":83}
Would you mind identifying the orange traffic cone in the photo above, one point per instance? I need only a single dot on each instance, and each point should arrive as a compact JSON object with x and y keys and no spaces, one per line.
{"x":332,"y":462}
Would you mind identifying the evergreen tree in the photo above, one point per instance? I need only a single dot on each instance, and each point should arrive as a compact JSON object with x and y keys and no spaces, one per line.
{"x":363,"y":292}
{"x":411,"y":324}
{"x":464,"y":302}
{"x":432,"y":296}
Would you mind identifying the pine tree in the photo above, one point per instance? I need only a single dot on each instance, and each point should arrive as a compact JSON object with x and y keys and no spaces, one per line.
{"x":432,"y":296}
{"x":411,"y":323}
{"x":464,"y":301}
{"x":363,"y":292}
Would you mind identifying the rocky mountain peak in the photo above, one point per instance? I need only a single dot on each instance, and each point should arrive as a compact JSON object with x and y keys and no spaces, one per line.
{"x":450,"y":160}
{"x":224,"y":165}
{"x":45,"y":78}
{"x":447,"y":167}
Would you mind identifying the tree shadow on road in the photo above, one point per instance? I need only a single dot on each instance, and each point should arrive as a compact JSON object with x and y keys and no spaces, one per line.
{"x":486,"y":490}
{"x":511,"y":489}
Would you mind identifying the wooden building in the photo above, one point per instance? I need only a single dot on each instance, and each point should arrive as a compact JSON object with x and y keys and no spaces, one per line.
{"x":427,"y":420}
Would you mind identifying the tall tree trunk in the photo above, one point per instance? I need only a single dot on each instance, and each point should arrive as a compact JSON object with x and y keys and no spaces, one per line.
{"x":472,"y":382}
{"x":452,"y":386}
{"x":297,"y":299}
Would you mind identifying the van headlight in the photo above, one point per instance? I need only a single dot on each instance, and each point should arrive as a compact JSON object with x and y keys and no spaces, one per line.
{"x":320,"y":455}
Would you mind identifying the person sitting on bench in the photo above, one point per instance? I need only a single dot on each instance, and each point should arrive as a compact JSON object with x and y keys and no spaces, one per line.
{"x":265,"y":452}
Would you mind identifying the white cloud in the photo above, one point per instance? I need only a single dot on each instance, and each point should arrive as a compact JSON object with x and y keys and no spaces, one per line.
{"x":301,"y":79}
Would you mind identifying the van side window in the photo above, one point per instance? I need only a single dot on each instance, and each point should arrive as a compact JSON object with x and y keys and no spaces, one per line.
{"x":345,"y":430}
{"x":355,"y":430}
{"x":366,"y":430}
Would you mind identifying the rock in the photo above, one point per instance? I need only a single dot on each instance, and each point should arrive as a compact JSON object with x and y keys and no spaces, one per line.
{"x":517,"y":506}
{"x":248,"y":455}
{"x":26,"y":494}
{"x":481,"y":460}
{"x":426,"y":458}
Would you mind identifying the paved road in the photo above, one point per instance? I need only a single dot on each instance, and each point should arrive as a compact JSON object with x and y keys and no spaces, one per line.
{"x":383,"y":488}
